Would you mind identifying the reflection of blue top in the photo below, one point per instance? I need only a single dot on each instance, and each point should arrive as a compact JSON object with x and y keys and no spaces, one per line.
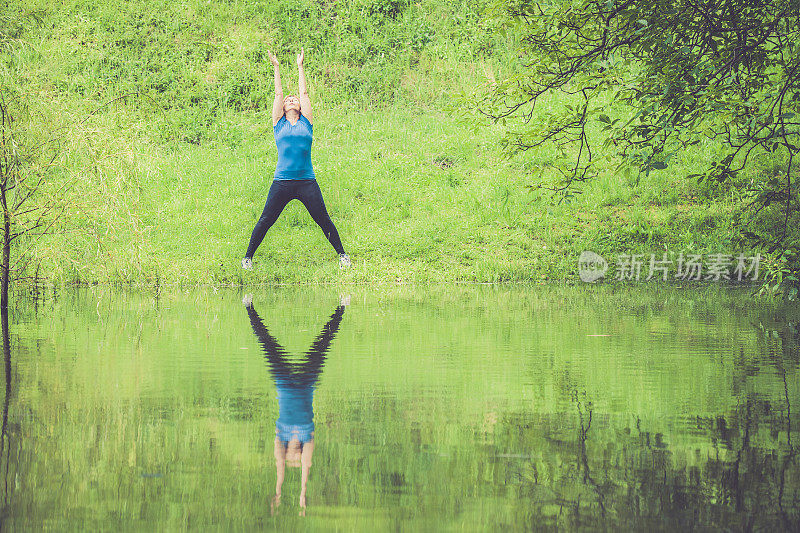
{"x":295,"y":411}
{"x":294,"y":149}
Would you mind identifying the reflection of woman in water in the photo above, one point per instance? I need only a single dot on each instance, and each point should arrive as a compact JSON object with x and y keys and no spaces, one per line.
{"x":294,"y":429}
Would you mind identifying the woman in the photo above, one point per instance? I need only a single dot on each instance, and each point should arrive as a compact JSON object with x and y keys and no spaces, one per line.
{"x":292,"y":120}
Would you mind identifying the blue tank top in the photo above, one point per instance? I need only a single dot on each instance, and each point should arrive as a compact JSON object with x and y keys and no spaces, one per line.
{"x":294,"y":149}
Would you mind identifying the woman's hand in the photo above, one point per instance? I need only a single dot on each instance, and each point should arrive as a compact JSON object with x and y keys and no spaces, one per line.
{"x":273,"y":59}
{"x":300,"y":57}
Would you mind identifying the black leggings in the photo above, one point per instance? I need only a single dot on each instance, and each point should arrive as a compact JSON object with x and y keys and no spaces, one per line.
{"x":281,"y":193}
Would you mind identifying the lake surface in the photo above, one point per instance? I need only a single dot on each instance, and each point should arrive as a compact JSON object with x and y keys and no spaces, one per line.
{"x":466,"y":408}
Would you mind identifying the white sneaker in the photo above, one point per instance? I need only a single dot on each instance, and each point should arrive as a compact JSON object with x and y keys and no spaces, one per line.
{"x":247,"y":263}
{"x":344,"y":261}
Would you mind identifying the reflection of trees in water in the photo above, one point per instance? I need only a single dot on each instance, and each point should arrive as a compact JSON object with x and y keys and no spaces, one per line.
{"x":782,"y":344}
{"x":5,"y":444}
{"x":586,"y":472}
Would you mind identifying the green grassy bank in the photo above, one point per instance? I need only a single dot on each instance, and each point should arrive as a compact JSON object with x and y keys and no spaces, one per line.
{"x":415,"y":196}
{"x":165,"y":142}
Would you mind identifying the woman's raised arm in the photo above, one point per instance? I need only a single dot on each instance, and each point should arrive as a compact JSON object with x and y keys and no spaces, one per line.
{"x":277,"y":103}
{"x":305,"y":101}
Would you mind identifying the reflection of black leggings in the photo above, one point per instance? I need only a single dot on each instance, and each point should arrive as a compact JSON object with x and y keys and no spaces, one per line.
{"x":299,"y":375}
{"x":281,"y":193}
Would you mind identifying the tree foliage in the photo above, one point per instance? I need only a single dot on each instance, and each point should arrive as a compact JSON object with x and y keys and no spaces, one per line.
{"x":647,"y":78}
{"x":31,"y":201}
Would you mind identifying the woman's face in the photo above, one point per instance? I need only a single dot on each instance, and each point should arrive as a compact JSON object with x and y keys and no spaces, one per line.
{"x":291,"y":102}
{"x":293,"y":453}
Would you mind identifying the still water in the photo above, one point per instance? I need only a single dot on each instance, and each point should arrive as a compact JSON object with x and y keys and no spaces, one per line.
{"x":407,"y":408}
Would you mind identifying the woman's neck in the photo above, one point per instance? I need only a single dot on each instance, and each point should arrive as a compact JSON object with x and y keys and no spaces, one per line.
{"x":293,"y":116}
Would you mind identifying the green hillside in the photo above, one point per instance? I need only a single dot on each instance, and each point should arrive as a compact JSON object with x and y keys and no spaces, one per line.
{"x":151,"y":121}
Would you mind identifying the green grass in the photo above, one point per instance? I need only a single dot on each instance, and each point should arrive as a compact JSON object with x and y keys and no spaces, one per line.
{"x":167,"y":182}
{"x":415,"y":195}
